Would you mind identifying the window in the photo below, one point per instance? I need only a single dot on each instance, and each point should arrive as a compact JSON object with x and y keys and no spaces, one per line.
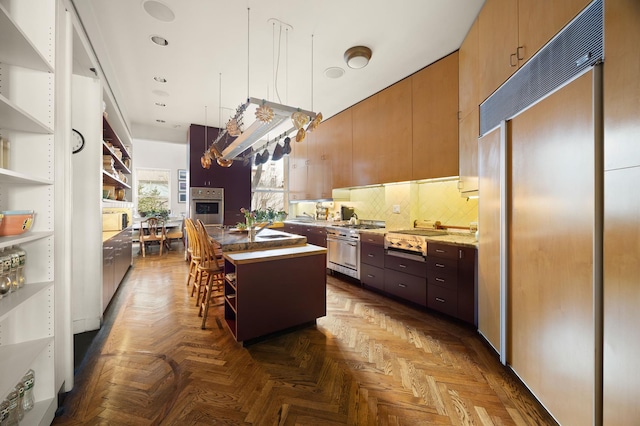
{"x":153,"y":190}
{"x":268,"y":187}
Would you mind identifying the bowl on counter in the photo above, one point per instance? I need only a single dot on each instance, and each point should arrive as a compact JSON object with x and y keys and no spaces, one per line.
{"x":16,"y":222}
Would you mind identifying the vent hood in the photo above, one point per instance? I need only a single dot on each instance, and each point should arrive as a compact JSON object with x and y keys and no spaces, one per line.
{"x":254,"y":130}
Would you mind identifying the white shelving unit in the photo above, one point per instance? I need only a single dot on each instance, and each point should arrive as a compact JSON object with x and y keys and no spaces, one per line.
{"x":27,"y":87}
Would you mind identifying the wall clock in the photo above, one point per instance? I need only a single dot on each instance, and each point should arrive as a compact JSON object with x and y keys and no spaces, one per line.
{"x":77,"y":141}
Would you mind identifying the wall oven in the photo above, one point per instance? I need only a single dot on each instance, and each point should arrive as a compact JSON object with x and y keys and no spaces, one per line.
{"x":207,"y":204}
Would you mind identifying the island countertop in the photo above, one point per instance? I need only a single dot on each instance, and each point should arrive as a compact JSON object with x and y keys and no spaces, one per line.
{"x":232,"y":240}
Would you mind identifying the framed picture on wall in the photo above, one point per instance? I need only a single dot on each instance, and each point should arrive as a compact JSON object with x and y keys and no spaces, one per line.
{"x":182,"y":186}
{"x":182,"y":175}
{"x":182,"y":197}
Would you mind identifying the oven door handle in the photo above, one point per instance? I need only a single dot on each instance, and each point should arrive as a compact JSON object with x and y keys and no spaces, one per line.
{"x":416,"y":257}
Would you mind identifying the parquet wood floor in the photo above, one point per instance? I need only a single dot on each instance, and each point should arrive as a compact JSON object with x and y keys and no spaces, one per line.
{"x":370,"y":361}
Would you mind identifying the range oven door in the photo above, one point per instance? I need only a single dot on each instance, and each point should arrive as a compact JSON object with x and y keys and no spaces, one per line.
{"x":343,"y":256}
{"x":210,"y":212}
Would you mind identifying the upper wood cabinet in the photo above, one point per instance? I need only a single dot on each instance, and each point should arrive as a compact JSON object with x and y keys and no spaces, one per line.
{"x":435,"y":119}
{"x":393,"y":156}
{"x":468,"y":144}
{"x":366,"y":142}
{"x":318,"y":164}
{"x":468,"y":73}
{"x":512,"y":31}
{"x":469,"y":99}
{"x":339,"y":139}
{"x":298,"y":188}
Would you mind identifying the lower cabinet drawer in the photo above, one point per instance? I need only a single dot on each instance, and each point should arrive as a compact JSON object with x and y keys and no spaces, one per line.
{"x":408,"y":287}
{"x":372,"y":276}
{"x":443,"y":299}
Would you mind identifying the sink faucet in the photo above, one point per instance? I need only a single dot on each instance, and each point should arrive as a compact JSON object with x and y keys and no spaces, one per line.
{"x":307,"y":214}
{"x":263,"y":227}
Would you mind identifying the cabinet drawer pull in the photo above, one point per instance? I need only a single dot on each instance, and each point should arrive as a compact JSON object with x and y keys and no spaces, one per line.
{"x":370,"y":255}
{"x":370,"y":276}
{"x":440,"y":280}
{"x":511,"y":60}
{"x":402,"y":285}
{"x":439,"y":251}
{"x":440,"y":300}
{"x":402,"y":266}
{"x":439,"y":265}
{"x":520,"y":53}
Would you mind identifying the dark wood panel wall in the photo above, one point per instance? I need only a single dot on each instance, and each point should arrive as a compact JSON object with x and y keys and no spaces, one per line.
{"x":236,"y":180}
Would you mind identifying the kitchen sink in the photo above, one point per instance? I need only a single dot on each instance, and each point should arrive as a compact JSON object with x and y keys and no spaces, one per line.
{"x":272,"y":236}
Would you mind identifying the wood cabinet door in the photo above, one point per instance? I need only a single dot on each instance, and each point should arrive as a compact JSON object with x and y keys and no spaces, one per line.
{"x":298,"y":171}
{"x":489,"y":238}
{"x":540,"y":20}
{"x":319,"y":166}
{"x":468,"y":73}
{"x":339,"y":150}
{"x":621,"y":84}
{"x":497,"y":44}
{"x":621,"y":296}
{"x":435,"y":119}
{"x":395,"y":148}
{"x":551,"y":321}
{"x":469,"y":127}
{"x":366,"y":141}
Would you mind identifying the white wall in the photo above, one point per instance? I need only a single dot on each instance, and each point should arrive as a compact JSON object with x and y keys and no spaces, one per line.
{"x":86,"y":278}
{"x":149,"y":154}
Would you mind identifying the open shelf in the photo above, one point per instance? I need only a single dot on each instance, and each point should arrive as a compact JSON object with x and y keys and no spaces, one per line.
{"x":9,"y":176}
{"x":16,"y":48}
{"x":23,"y":238}
{"x":16,"y":360}
{"x":110,"y":179}
{"x":118,"y":162}
{"x":15,"y":118}
{"x":11,"y":301}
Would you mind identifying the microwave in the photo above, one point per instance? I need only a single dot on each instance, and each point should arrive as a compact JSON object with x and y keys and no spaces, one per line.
{"x":114,"y":221}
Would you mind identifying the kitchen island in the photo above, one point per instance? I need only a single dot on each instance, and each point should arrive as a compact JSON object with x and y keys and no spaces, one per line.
{"x":273,"y":282}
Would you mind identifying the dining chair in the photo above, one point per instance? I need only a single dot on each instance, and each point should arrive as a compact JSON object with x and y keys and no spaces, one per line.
{"x":208,"y":268}
{"x":205,"y":261}
{"x":152,"y":230}
{"x":174,"y":234}
{"x":193,"y":250}
{"x":217,"y":249}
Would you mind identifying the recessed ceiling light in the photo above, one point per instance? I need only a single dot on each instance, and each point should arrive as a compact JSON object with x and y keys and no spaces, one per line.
{"x":159,"y":10}
{"x":177,"y":126}
{"x":334,"y":72}
{"x":160,"y":104}
{"x":160,"y":79}
{"x":357,"y":57}
{"x":160,"y":41}
{"x":161,"y":121}
{"x":160,"y":93}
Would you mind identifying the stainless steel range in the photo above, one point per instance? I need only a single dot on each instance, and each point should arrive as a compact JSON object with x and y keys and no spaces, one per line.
{"x":343,"y":247}
{"x":410,"y":243}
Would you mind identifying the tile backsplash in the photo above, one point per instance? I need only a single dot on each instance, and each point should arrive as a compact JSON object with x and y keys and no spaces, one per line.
{"x":400,"y":204}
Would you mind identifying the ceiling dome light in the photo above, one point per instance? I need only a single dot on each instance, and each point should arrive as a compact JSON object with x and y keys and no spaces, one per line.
{"x":159,"y":10}
{"x":160,"y":41}
{"x":334,"y":72}
{"x":357,"y":57}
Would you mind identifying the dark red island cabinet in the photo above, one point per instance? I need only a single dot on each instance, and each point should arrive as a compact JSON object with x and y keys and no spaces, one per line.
{"x":272,"y":290}
{"x":236,"y":180}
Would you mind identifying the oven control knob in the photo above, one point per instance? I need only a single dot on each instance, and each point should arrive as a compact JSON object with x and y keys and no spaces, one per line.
{"x":409,"y":246}
{"x":419,"y":247}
